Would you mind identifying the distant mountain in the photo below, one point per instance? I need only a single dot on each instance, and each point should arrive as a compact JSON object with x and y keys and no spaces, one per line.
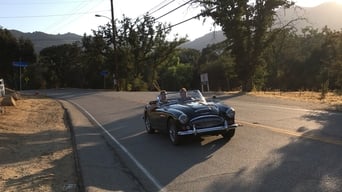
{"x":204,"y":41}
{"x":42,"y":40}
{"x":327,"y":14}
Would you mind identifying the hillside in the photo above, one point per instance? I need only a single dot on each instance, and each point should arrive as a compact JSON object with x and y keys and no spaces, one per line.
{"x":42,"y":40}
{"x":326,"y":14}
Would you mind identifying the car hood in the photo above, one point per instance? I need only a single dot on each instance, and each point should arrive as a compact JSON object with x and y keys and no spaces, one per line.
{"x":197,"y":108}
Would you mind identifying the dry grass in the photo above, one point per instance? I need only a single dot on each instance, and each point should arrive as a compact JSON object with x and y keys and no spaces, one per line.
{"x":331,"y":98}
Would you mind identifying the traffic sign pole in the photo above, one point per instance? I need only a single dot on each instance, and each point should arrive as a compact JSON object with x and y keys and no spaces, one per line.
{"x":19,"y":64}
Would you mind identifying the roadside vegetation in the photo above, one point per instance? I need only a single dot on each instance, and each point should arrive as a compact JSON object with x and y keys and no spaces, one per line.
{"x":256,"y":56}
{"x":333,"y":100}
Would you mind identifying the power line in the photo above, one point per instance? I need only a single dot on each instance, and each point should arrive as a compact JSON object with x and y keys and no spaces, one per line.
{"x":173,"y":9}
{"x":184,"y":21}
{"x":150,"y":13}
{"x":87,"y":6}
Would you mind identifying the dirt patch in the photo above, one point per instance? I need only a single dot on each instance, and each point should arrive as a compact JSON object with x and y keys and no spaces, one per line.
{"x":36,"y":151}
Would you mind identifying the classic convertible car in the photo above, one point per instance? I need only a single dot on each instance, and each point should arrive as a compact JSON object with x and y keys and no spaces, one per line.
{"x":193,"y":116}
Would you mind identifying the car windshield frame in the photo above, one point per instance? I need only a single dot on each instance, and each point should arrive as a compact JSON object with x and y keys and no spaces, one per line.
{"x":192,"y":95}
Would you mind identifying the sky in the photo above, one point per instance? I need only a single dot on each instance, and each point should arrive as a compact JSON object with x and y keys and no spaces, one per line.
{"x":78,"y":16}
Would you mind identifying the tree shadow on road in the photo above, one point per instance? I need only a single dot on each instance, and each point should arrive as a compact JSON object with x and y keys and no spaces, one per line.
{"x":306,"y":163}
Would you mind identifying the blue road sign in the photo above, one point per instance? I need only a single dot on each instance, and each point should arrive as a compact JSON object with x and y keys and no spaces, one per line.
{"x":104,"y":73}
{"x":19,"y":64}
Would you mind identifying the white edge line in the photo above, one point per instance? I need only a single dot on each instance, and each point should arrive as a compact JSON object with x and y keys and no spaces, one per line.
{"x":141,"y":167}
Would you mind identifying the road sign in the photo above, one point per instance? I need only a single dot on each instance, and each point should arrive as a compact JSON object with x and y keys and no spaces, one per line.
{"x":204,"y":77}
{"x":104,"y":73}
{"x":19,"y":64}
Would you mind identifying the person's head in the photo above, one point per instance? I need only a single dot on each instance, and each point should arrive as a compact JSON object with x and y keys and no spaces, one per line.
{"x":162,"y":96}
{"x":182,"y":93}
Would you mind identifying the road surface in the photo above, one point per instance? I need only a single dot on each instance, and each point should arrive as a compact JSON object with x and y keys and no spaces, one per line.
{"x":280,"y":146}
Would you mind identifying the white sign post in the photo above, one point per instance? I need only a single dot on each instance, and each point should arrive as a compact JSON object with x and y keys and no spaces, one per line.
{"x":204,"y":81}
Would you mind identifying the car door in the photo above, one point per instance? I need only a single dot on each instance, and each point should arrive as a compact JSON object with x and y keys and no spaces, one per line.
{"x":159,"y":117}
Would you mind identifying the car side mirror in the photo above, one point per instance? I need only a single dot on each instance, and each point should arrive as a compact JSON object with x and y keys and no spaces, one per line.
{"x":153,"y":102}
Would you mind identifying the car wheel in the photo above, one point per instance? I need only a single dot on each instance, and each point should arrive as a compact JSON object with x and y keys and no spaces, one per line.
{"x":148,"y":126}
{"x":228,"y":134}
{"x":172,"y":128}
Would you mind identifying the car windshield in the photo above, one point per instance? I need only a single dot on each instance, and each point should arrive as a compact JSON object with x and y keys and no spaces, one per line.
{"x":192,"y":95}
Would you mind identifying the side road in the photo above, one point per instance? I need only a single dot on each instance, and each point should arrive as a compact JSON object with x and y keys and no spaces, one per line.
{"x":99,"y":167}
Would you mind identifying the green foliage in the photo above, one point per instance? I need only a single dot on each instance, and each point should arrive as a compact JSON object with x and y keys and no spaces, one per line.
{"x":254,"y":56}
{"x":175,"y":77}
{"x":141,"y":49}
{"x":12,"y":50}
{"x":59,"y":66}
{"x":246,"y":25}
{"x":138,"y":84}
{"x":220,"y":67}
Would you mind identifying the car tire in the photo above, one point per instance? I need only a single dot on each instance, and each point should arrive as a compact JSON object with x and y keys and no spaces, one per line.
{"x":228,"y":134}
{"x":148,"y":126}
{"x":172,"y":130}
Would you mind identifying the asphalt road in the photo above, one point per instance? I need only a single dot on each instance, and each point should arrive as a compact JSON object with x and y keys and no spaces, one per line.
{"x":280,"y":146}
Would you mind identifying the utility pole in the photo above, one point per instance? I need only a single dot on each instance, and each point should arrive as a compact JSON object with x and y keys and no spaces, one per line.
{"x":116,"y":70}
{"x":116,"y":64}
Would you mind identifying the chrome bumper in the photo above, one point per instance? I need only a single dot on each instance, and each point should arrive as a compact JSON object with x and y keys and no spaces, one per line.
{"x":195,"y":131}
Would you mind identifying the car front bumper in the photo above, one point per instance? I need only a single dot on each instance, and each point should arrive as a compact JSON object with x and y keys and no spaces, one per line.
{"x":195,"y":131}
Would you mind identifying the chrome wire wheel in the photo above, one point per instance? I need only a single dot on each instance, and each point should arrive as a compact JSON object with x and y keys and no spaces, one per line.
{"x":148,"y":126}
{"x":174,"y":138}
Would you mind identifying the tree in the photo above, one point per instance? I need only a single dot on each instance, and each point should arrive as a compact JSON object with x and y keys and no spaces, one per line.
{"x":142,"y":48}
{"x":12,"y":50}
{"x":176,"y":76}
{"x":247,"y":28}
{"x":191,"y":57}
{"x":59,"y":66}
{"x":218,"y":63}
{"x":331,"y":61}
{"x":96,"y":57}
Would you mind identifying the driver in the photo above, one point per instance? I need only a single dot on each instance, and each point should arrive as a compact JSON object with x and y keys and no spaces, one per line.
{"x":183,"y":95}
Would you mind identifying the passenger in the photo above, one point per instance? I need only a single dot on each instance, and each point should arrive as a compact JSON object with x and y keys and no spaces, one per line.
{"x":162,"y":96}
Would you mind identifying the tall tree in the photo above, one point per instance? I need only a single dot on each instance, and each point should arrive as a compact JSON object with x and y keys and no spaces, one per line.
{"x":331,"y":61}
{"x":96,"y":57}
{"x":142,"y":47}
{"x":247,"y":26}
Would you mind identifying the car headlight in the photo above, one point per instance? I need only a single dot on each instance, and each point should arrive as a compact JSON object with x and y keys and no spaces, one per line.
{"x":183,"y":118}
{"x":230,"y":112}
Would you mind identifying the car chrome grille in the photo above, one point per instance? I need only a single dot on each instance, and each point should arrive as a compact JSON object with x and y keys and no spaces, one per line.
{"x":206,"y":121}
